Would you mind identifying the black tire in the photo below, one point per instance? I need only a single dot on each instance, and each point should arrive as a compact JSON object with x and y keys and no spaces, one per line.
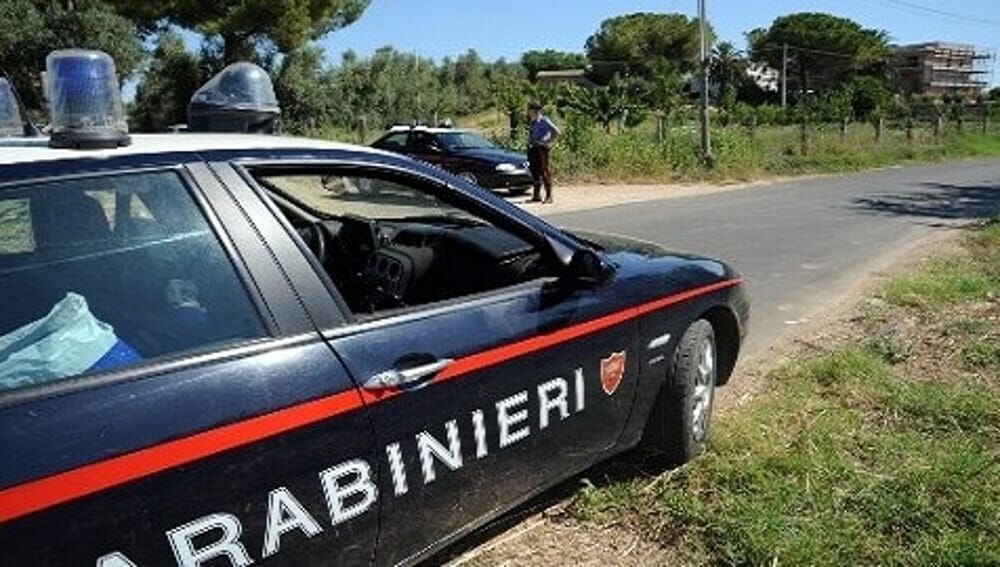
{"x":672,"y":430}
{"x":470,"y":177}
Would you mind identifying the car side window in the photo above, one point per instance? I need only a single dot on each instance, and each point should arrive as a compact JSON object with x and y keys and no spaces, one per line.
{"x":393,"y":142}
{"x":424,"y":142}
{"x":389,"y":244}
{"x":105,"y":272}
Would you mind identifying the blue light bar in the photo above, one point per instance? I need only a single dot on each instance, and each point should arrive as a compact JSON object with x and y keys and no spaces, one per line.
{"x":10,"y":117}
{"x":85,"y":100}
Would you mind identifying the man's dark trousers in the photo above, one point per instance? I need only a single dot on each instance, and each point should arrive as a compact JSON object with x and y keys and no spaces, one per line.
{"x":538,"y":162}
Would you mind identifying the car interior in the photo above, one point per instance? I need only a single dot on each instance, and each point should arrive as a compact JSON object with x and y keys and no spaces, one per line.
{"x":145,"y":261}
{"x":387,"y":245}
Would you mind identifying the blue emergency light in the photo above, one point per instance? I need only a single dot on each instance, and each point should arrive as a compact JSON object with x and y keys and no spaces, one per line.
{"x":10,"y":117}
{"x":85,"y":100}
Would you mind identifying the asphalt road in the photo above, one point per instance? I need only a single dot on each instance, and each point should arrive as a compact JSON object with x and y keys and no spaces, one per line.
{"x":803,"y":245}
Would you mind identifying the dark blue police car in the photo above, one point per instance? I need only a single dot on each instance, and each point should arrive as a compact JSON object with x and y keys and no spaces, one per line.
{"x":239,"y":349}
{"x":464,"y":153}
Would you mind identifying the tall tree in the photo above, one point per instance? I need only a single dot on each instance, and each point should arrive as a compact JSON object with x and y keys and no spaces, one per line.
{"x":246,"y":25}
{"x":161,"y":98}
{"x":606,"y":104}
{"x":824,"y":50}
{"x":29,"y":29}
{"x":728,"y":71}
{"x":551,"y":60}
{"x":640,"y":44}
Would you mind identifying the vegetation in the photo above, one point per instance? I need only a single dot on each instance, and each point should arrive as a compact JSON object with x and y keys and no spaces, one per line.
{"x":643,"y":45}
{"x":634,"y":121}
{"x":30,"y":29}
{"x":861,"y":454}
{"x":746,"y":151}
{"x":825,"y":50}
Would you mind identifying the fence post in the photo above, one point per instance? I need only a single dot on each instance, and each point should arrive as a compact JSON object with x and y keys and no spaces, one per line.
{"x":879,"y":124}
{"x":909,"y":130}
{"x":938,"y":119}
{"x":804,"y":133}
{"x":843,"y":128}
{"x":985,"y":118}
{"x":752,"y":126}
{"x":659,"y":126}
{"x":362,"y":128}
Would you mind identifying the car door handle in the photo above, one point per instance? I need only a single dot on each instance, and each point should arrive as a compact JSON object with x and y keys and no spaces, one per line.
{"x":395,"y":378}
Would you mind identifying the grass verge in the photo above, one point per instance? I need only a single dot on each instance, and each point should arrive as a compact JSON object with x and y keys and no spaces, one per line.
{"x":884,"y":449}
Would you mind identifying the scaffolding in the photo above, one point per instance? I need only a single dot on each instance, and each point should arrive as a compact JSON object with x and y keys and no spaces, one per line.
{"x":938,"y":68}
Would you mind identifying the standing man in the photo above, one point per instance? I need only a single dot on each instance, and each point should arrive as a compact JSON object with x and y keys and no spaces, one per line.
{"x":542,"y":132}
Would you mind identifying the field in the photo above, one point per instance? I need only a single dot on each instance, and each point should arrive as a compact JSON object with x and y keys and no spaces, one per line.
{"x":877,"y":445}
{"x":587,"y":154}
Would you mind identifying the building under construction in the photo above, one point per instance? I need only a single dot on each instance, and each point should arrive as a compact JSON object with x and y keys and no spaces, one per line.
{"x":937,"y":68}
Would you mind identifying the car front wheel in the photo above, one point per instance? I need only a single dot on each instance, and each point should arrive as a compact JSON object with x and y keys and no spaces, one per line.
{"x":678,"y":425}
{"x":470,"y":177}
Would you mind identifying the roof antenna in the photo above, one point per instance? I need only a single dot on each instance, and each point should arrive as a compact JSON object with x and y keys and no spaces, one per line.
{"x":29,"y":128}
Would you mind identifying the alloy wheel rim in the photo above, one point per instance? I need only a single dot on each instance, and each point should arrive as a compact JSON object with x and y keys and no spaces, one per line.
{"x":701,"y":406}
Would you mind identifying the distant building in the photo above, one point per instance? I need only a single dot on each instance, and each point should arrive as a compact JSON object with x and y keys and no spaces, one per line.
{"x":568,"y":76}
{"x":939,"y":68}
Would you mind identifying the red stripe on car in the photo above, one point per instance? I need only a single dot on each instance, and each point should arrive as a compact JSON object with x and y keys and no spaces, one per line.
{"x":33,"y":496}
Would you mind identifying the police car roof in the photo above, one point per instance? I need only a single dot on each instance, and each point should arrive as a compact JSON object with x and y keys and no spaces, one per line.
{"x":26,"y":150}
{"x":431,"y":129}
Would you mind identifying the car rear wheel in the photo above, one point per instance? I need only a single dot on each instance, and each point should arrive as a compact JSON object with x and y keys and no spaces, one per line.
{"x":678,"y":425}
{"x":470,"y":177}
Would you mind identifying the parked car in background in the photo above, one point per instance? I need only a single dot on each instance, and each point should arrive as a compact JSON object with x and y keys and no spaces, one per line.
{"x":463,"y":152}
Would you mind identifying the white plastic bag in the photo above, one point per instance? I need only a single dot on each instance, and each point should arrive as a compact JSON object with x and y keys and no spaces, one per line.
{"x":66,"y":342}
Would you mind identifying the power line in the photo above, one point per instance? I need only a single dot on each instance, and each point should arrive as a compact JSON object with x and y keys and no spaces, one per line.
{"x":937,"y":12}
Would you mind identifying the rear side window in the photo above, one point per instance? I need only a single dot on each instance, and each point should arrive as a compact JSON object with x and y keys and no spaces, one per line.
{"x":393,"y":142}
{"x":106,"y":272}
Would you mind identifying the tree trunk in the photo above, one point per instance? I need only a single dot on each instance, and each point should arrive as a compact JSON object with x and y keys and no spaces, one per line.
{"x":362,"y":128}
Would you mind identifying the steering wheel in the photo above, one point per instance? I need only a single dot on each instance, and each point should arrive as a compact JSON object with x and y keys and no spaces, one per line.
{"x":319,"y":237}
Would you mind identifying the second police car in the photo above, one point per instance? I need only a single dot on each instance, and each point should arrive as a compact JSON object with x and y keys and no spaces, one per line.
{"x":221,"y":349}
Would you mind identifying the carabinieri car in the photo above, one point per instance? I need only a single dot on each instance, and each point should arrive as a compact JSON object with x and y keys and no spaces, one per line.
{"x":462,"y":152}
{"x":255,"y":349}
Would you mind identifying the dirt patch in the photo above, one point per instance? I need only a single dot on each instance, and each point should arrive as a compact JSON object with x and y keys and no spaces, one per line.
{"x":554,"y":537}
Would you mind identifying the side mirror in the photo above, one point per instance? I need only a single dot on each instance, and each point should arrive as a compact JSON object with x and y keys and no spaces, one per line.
{"x":586,"y":268}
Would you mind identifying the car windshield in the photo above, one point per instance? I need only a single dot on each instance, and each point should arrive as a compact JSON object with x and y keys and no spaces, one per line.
{"x":464,"y":140}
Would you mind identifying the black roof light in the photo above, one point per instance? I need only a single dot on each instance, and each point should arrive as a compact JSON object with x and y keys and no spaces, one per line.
{"x":239,"y":99}
{"x":85,"y":100}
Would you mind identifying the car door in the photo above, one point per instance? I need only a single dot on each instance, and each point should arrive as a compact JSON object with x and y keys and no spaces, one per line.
{"x":214,"y":426}
{"x":478,"y":401}
{"x":425,"y":147}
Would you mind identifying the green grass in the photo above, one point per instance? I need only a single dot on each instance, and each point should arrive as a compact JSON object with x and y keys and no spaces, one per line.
{"x":852,"y":457}
{"x":970,"y":276}
{"x":636,"y":156}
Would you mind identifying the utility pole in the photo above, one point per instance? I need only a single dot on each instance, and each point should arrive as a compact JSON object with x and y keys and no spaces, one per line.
{"x":784,"y":75}
{"x":706,"y":141}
